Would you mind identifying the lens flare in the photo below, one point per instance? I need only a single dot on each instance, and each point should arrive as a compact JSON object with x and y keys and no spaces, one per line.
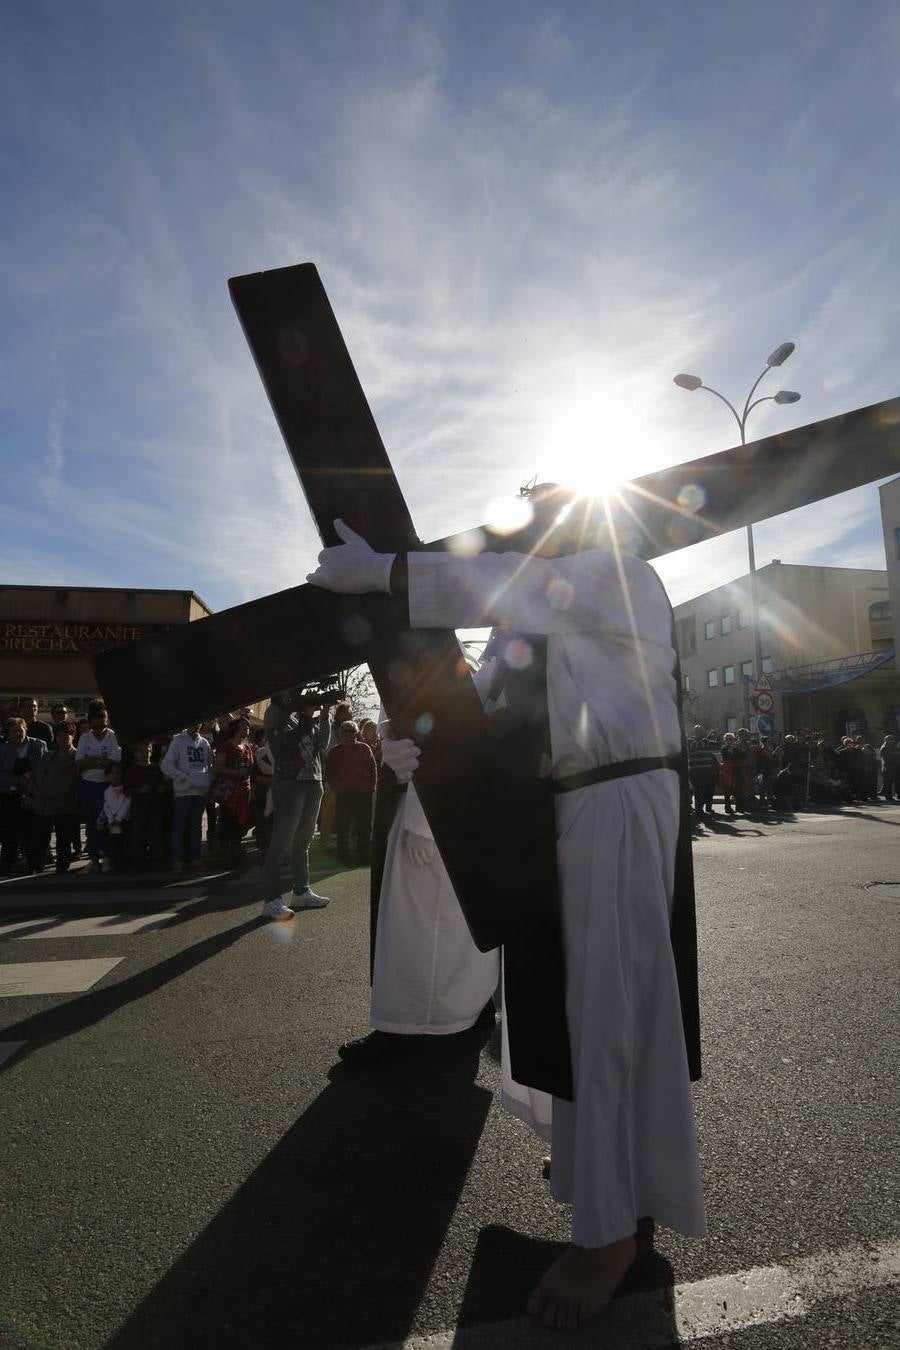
{"x":519,"y":654}
{"x":692,"y":497}
{"x":560,"y":593}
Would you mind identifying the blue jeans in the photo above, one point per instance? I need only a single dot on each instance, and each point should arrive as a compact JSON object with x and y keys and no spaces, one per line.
{"x":296,"y":806}
{"x":187,"y":813}
{"x":90,"y":804}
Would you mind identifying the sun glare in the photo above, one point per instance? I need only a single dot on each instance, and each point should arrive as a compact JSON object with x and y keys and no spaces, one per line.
{"x":588,"y":448}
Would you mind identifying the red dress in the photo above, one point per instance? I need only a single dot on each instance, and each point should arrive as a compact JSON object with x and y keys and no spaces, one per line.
{"x":237,"y":803}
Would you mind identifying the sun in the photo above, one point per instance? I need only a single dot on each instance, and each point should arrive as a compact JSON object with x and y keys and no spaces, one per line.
{"x":589,"y":447}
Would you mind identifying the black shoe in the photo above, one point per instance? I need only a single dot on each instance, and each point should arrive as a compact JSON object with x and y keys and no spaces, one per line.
{"x":378,"y":1047}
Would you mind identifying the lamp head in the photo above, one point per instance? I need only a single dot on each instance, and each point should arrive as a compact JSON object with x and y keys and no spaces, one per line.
{"x":687,"y":381}
{"x":780,"y":354}
{"x":786,"y":396}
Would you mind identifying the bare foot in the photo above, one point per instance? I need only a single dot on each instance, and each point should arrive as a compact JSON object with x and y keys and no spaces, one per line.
{"x":581,"y":1283}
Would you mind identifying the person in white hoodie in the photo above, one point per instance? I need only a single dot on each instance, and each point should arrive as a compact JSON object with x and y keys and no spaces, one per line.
{"x":188,"y":762}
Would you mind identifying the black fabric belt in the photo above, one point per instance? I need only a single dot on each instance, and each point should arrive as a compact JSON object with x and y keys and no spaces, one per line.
{"x":624,"y":769}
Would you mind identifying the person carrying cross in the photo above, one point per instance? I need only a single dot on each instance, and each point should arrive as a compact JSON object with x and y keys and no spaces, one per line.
{"x":625,"y":1146}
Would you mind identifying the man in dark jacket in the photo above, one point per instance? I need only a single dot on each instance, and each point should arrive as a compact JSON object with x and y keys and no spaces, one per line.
{"x":890,"y":768}
{"x":795,"y":758}
{"x":28,"y":708}
{"x":20,"y":755}
{"x":852,"y":765}
{"x":54,"y":791}
{"x":703,"y":772}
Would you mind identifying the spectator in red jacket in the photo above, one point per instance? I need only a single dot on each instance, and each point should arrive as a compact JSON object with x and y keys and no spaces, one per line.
{"x":350,"y":772}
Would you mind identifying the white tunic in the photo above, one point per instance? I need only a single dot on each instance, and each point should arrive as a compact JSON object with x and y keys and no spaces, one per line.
{"x":626,"y":1146}
{"x":428,"y":976}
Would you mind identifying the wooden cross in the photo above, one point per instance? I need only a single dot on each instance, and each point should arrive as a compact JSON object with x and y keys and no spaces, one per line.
{"x":304,"y":633}
{"x":242,"y":654}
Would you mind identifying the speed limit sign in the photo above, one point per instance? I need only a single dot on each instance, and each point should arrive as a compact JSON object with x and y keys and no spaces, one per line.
{"x":764,"y":702}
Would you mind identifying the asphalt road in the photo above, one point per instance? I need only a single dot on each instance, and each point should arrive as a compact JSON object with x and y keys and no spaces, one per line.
{"x":183,"y":1166}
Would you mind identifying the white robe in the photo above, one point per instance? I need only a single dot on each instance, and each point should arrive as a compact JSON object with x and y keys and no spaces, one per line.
{"x":428,"y":976}
{"x":626,"y":1146}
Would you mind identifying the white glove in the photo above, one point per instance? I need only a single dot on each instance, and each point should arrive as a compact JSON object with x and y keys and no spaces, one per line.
{"x":352,"y":568}
{"x":402,"y":756}
{"x":419,"y":850}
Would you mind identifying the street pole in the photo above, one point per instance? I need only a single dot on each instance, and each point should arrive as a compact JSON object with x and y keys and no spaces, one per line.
{"x":691,"y":382}
{"x":754,"y":610}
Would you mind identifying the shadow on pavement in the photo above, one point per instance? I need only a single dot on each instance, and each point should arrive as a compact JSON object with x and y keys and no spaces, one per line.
{"x":723,"y":825}
{"x":83,"y":1010}
{"x":507,"y":1266}
{"x":864,"y":815}
{"x":331,"y":1241}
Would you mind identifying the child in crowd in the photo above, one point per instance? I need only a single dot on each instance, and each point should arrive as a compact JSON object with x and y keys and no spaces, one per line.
{"x":116,"y":810}
{"x":350,"y":772}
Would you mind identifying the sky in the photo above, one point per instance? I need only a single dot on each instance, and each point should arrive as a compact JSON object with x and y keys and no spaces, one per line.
{"x":527,"y":217}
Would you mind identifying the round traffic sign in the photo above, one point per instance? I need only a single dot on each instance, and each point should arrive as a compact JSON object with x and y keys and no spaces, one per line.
{"x":764,"y":702}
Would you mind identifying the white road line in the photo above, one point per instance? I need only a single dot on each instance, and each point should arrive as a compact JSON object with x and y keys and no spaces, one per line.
{"x":712,"y":1307}
{"x":53,"y":977}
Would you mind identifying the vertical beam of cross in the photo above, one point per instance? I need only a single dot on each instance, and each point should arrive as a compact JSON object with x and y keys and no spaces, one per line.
{"x":510,"y":897}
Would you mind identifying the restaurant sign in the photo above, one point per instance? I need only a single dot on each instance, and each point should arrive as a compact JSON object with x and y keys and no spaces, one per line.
{"x":60,"y":639}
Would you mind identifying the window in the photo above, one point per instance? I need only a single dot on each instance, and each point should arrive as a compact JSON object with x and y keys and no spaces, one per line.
{"x":880,"y":610}
{"x":728,"y":674}
{"x":745,"y":618}
{"x":768,"y":665}
{"x":731,"y":724}
{"x":710,"y":629}
{"x":747,"y":670}
{"x":712,"y":679}
{"x":686,"y":635}
{"x":725,"y":624}
{"x":686,"y":683}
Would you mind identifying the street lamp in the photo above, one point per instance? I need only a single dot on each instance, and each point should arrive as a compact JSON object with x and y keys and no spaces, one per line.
{"x":692,"y":382}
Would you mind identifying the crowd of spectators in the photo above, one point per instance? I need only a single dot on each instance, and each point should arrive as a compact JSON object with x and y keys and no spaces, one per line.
{"x":194,"y":798}
{"x":790,"y":773}
{"x":204,"y":796}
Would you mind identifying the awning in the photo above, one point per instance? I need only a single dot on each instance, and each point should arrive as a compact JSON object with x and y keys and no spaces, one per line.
{"x":828,"y":674}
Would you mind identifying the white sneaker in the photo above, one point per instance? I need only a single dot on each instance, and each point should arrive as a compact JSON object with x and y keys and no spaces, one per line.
{"x":308,"y":900}
{"x":277,"y":909}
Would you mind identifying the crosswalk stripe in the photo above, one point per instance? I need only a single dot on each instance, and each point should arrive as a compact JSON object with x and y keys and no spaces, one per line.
{"x":690,"y":1312}
{"x":53,"y":977}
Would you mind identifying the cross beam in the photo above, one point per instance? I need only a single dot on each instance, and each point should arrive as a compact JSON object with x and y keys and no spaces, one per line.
{"x":172,"y":679}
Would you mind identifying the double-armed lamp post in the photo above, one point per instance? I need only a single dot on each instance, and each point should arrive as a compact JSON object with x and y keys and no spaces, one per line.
{"x":692,"y":382}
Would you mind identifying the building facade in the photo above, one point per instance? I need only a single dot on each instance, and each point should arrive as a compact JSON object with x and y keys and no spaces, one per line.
{"x":890,"y":522}
{"x":48,"y":635}
{"x":827,"y":639}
